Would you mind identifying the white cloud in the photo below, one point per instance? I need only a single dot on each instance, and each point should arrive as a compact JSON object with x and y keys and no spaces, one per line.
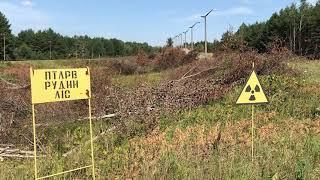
{"x":236,"y":11}
{"x":27,"y":3}
{"x":312,"y":1}
{"x":194,"y":17}
{"x":23,"y":17}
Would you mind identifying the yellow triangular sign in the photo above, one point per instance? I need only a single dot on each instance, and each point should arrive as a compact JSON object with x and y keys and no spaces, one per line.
{"x":252,"y":92}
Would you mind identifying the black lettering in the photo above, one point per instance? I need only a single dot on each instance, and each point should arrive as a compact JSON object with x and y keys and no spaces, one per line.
{"x":57,"y":95}
{"x":46,"y":85}
{"x":47,"y":75}
{"x":54,"y":83}
{"x":67,"y":94}
{"x":61,"y":75}
{"x":69,"y":84}
{"x":68,"y":74}
{"x":75,"y":84}
{"x":61,"y":85}
{"x":62,"y":94}
{"x":54,"y":74}
{"x":74,"y":74}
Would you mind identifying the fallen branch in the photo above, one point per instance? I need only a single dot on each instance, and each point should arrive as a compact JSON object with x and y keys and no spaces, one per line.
{"x":20,"y":156}
{"x":6,"y":145}
{"x":8,"y":83}
{"x":99,"y":117}
{"x":193,"y":75}
{"x":14,"y":86}
{"x":20,"y":87}
{"x":17,"y":153}
{"x":188,"y":72}
{"x":3,"y":150}
{"x":11,"y":151}
{"x":80,"y":119}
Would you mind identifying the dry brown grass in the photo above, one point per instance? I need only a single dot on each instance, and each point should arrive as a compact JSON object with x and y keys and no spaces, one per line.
{"x":195,"y":83}
{"x":169,"y":58}
{"x":198,"y":142}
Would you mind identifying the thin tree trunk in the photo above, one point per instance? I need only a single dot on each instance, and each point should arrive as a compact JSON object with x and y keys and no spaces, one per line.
{"x":300,"y":38}
{"x":294,"y":36}
{"x":290,"y":38}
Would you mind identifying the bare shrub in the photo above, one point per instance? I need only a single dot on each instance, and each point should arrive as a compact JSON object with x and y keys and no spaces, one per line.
{"x":192,"y":68}
{"x":277,"y":48}
{"x":142,"y":58}
{"x":190,"y":57}
{"x":239,"y":66}
{"x":125,"y":67}
{"x":232,"y":67}
{"x":169,"y":58}
{"x":192,"y":83}
{"x":152,"y":56}
{"x":100,"y":87}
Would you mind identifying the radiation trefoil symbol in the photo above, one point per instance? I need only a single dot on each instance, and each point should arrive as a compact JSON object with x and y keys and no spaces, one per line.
{"x":252,"y":92}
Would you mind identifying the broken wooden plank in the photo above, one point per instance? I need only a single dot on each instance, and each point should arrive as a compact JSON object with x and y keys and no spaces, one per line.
{"x":11,"y":151}
{"x":20,"y":156}
{"x":99,"y":117}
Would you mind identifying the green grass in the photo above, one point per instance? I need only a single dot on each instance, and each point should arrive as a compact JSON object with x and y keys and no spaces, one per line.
{"x":9,"y":77}
{"x":58,"y":63}
{"x":41,"y":63}
{"x":287,"y":141}
{"x":4,"y":64}
{"x":132,"y":81}
{"x":62,"y":63}
{"x":290,"y":151}
{"x":55,"y":141}
{"x":310,"y":70}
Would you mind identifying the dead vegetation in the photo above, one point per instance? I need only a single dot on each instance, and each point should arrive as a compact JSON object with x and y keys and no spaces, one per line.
{"x":191,"y":82}
{"x":200,"y":143}
{"x":190,"y":85}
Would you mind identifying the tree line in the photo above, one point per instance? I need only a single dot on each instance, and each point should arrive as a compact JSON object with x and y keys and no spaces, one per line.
{"x":47,"y":44}
{"x":296,"y":27}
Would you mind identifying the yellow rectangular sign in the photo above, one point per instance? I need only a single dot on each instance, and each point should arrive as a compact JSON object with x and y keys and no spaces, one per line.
{"x":53,"y":85}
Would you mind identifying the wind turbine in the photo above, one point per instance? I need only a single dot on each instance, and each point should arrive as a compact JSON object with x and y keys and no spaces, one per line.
{"x":191,"y":27}
{"x":205,"y":32}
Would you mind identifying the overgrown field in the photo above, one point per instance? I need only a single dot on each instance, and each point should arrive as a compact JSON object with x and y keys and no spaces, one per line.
{"x":175,"y":118}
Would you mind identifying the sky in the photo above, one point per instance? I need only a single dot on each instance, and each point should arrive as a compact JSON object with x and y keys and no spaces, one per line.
{"x":148,"y":21}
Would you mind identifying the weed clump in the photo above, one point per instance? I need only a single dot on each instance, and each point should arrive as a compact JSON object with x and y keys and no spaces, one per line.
{"x":124,"y":67}
{"x":142,"y":59}
{"x":232,"y":67}
{"x":169,"y":58}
